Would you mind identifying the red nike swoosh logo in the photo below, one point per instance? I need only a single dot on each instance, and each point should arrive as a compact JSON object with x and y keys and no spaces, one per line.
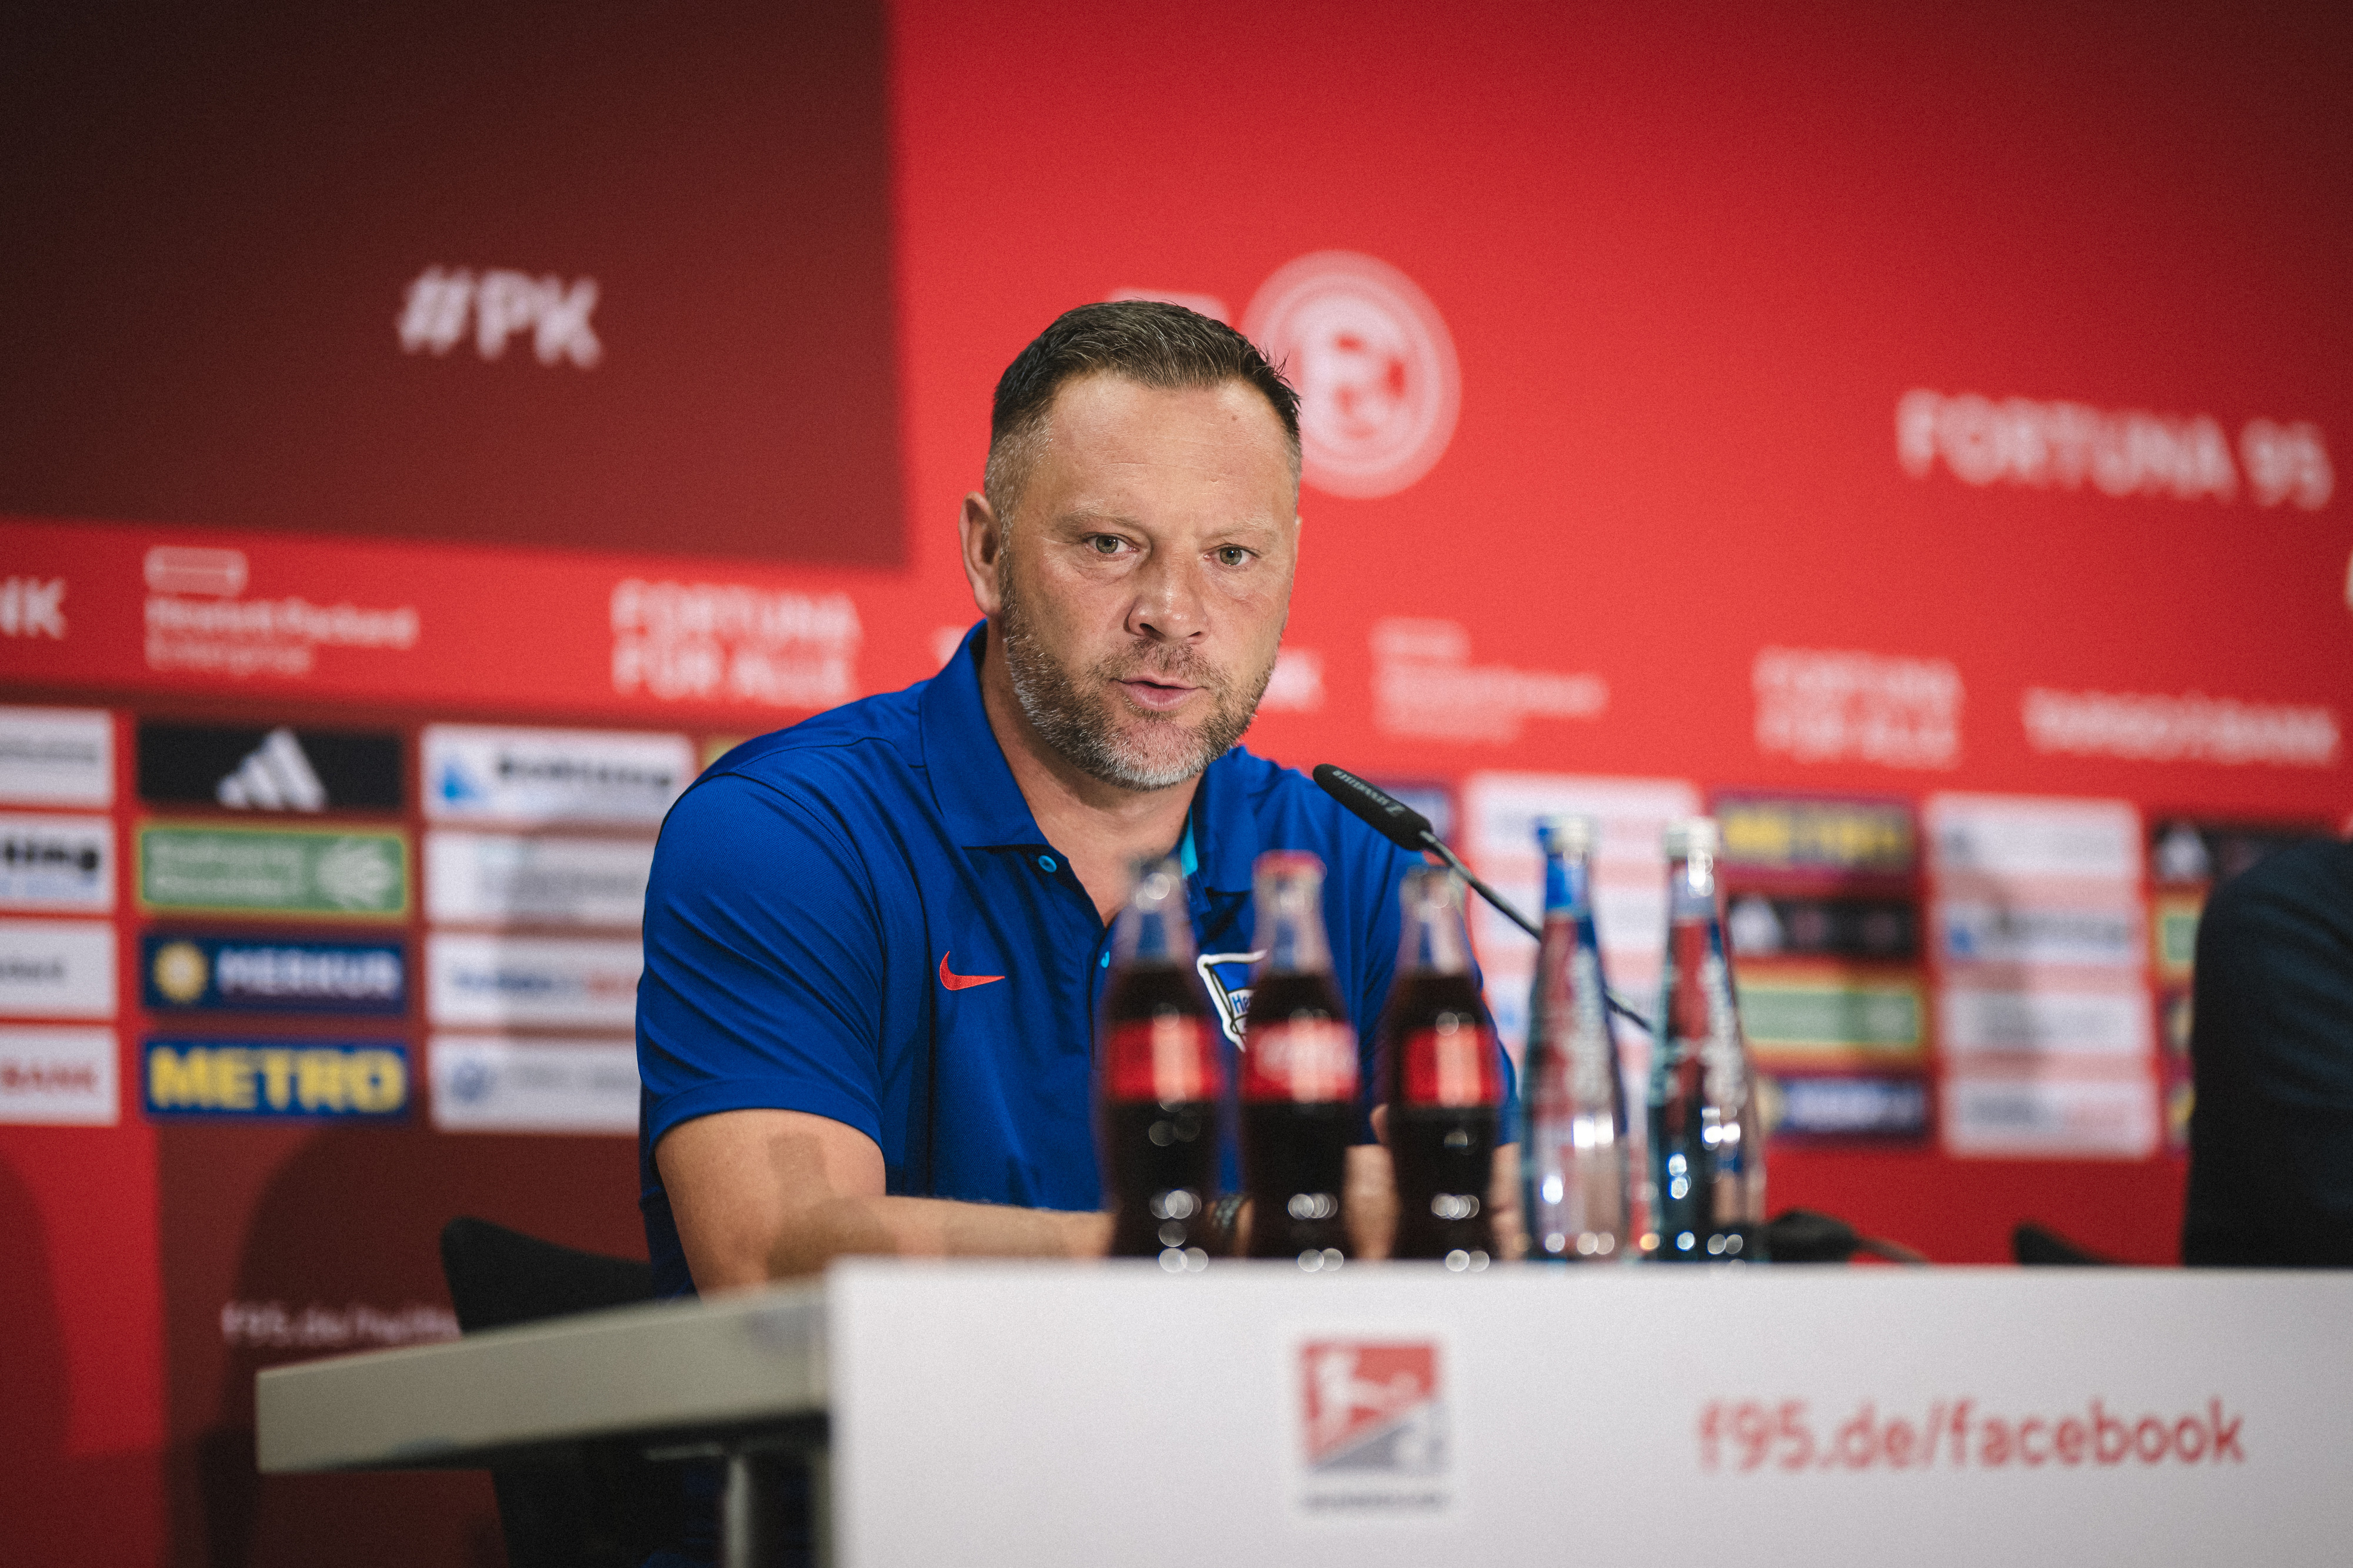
{"x":963,"y":982}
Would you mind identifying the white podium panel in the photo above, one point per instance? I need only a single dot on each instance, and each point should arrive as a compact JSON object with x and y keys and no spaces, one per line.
{"x":988,"y":1413}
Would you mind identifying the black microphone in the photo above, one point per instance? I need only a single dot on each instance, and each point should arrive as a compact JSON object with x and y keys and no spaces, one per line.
{"x":1407,"y":828}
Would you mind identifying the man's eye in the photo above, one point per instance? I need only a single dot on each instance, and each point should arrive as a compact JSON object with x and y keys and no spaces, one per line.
{"x":1104,"y":543}
{"x":1233,"y":556}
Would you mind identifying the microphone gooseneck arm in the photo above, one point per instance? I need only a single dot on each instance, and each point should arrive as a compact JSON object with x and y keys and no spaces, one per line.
{"x":1408,"y":829}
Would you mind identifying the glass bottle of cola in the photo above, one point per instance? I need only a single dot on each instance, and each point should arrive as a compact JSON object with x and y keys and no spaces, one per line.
{"x":1298,"y":1073}
{"x":1573,"y":1153}
{"x":1442,"y":1080}
{"x":1707,"y":1150}
{"x":1159,"y":1079}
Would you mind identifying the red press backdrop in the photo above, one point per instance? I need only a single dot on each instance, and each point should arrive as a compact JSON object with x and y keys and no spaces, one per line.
{"x":1909,"y":438}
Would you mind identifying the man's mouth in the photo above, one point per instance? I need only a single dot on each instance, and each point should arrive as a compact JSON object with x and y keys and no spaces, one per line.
{"x":1156,"y":696}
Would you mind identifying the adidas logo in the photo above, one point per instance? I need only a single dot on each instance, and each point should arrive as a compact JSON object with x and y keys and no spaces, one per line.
{"x":274,"y":777}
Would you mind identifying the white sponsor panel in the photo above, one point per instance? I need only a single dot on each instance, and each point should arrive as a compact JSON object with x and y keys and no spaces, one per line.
{"x":528,"y":776}
{"x":62,"y":863}
{"x":2192,"y":728}
{"x":57,"y":756}
{"x":58,"y":1078}
{"x":1425,"y":685}
{"x":2044,"y":1022}
{"x":1995,"y":930}
{"x":498,"y":982}
{"x":2022,"y":441}
{"x":728,"y":642}
{"x":2032,"y":837}
{"x":56,"y":969}
{"x":514,"y":878}
{"x":1380,"y":387}
{"x":2027,"y":1117}
{"x":485,"y":1084}
{"x":1821,"y":705}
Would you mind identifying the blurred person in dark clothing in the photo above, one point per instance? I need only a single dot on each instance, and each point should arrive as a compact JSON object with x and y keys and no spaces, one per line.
{"x":2270,"y":1131}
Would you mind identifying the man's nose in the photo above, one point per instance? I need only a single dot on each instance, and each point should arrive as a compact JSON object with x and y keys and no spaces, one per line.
{"x":1169,"y":605}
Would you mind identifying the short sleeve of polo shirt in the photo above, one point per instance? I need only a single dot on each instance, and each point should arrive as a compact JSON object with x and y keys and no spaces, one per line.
{"x":763,"y":949}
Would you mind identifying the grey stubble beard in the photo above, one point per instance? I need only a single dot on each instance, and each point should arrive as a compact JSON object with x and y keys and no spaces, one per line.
{"x":1076,"y":721}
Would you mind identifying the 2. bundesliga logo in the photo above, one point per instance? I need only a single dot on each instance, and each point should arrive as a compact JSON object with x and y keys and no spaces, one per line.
{"x":1372,"y":1434}
{"x":1380,"y":387}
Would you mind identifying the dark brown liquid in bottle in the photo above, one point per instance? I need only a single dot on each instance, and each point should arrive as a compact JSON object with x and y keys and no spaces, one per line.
{"x":1444,"y":1155}
{"x":1295,"y":1152}
{"x":1161,"y":1156}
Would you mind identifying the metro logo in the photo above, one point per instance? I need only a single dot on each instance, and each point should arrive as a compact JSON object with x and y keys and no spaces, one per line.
{"x":275,"y":1078}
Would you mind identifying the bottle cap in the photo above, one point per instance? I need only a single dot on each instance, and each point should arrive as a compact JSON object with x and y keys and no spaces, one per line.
{"x":1288,"y":862}
{"x":1567,"y":834}
{"x":1689,"y":835}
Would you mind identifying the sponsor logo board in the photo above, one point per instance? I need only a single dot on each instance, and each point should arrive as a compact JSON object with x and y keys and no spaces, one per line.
{"x":1975,"y":1021}
{"x":1795,"y":1020}
{"x":490,"y":1085}
{"x":365,"y":1081}
{"x":1784,"y":833}
{"x":1372,"y":1434}
{"x":1985,"y":930}
{"x":57,"y":756}
{"x":279,"y":769}
{"x":509,"y":878}
{"x":59,"y":1077}
{"x":1883,"y":930}
{"x":62,"y":863}
{"x":198,"y":623}
{"x":1380,"y":386}
{"x":1846,"y":1107}
{"x":2023,"y":1117}
{"x":497,"y":982}
{"x":362,"y":873}
{"x":231,"y":973}
{"x":2008,"y":836}
{"x":56,"y":969}
{"x":480,"y":774}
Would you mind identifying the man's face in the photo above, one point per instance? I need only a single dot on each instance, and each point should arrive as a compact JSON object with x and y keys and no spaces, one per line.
{"x":1142,"y":583}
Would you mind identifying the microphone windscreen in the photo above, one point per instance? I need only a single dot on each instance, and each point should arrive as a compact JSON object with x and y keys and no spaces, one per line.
{"x":1388,"y":816}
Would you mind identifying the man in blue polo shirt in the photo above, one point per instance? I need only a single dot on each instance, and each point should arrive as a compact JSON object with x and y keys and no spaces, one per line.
{"x":875,"y":941}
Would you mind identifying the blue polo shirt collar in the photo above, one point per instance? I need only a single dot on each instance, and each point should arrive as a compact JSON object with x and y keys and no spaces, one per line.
{"x":971,"y":780}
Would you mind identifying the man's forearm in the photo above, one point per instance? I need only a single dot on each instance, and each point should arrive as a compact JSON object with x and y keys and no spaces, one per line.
{"x":929,"y":1227}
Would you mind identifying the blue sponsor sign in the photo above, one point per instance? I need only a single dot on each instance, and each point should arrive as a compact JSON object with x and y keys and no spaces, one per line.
{"x":264,"y":974}
{"x":345,"y":1079}
{"x":1851,"y":1108}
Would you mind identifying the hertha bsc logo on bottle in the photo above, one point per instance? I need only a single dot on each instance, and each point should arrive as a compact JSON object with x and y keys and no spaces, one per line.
{"x":1372,"y":1434}
{"x":1379,"y":385}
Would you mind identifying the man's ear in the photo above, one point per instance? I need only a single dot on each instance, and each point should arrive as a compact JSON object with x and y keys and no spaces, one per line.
{"x":983,"y":537}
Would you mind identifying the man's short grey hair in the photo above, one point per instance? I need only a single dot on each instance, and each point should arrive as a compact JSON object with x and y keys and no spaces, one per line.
{"x":1148,"y":342}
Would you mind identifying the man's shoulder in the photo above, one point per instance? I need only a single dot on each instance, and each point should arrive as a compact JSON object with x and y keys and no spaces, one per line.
{"x":869,"y":735}
{"x":1293,"y":812}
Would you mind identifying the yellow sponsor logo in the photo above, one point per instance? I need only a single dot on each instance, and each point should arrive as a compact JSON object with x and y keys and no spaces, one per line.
{"x":277,"y":1080}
